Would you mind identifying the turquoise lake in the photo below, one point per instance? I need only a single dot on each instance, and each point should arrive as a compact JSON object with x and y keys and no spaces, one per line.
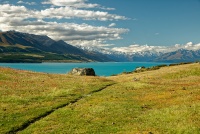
{"x":101,"y":68}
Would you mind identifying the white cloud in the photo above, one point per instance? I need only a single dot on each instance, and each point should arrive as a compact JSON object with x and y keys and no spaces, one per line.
{"x":17,"y":18}
{"x":76,"y":4}
{"x":112,"y":25}
{"x":7,"y":11}
{"x":107,"y":8}
{"x":69,"y":12}
{"x":46,"y":2}
{"x":188,"y":46}
{"x":142,"y":48}
{"x":58,"y":13}
{"x":139,"y":48}
{"x":73,"y":3}
{"x":90,"y":43}
{"x":20,"y":2}
{"x":28,"y":3}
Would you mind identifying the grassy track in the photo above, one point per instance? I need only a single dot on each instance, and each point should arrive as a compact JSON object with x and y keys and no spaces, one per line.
{"x":160,"y":101}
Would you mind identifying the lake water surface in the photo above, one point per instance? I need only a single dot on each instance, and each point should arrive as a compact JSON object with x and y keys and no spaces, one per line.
{"x":101,"y":68}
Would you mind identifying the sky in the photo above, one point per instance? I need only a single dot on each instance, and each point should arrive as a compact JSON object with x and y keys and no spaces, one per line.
{"x":123,"y":25}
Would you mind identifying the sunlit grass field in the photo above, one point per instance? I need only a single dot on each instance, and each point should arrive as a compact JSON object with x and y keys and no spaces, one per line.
{"x":163,"y":101}
{"x":26,"y":96}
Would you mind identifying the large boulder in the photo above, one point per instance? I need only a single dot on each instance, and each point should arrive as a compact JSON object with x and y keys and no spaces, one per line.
{"x":82,"y":71}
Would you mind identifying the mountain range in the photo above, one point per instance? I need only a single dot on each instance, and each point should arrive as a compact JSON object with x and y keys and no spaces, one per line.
{"x":180,"y":55}
{"x":24,"y":47}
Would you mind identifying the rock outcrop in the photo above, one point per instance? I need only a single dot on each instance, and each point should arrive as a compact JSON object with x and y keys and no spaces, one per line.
{"x":82,"y":71}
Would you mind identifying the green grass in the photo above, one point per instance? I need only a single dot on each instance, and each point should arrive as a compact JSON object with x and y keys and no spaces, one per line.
{"x":27,"y":95}
{"x":38,"y":57}
{"x":166,"y":100}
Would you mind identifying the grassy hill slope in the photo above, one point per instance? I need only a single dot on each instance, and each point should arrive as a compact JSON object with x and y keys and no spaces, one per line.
{"x":28,"y":96}
{"x":23,"y":47}
{"x":160,"y":101}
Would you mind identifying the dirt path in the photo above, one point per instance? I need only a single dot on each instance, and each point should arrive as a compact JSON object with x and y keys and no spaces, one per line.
{"x":47,"y":113}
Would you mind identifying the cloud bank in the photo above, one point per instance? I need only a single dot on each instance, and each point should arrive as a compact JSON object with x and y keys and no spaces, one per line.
{"x":76,"y":4}
{"x":156,"y":49}
{"x":20,"y":18}
{"x":28,"y":3}
{"x":72,"y":3}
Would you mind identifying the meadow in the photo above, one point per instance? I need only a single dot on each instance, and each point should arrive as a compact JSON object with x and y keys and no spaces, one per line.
{"x":166,"y":100}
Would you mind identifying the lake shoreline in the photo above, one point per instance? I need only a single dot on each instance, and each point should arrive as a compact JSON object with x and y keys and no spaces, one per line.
{"x":101,"y":68}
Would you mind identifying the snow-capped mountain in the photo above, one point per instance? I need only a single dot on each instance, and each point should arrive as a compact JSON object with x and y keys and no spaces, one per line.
{"x":181,"y":55}
{"x":25,"y":47}
{"x":170,"y":55}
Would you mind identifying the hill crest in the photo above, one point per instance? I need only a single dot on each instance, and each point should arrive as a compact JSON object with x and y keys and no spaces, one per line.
{"x":15,"y":43}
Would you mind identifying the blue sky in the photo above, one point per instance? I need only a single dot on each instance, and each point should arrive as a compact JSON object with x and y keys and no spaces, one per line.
{"x":119,"y":25}
{"x":159,"y":22}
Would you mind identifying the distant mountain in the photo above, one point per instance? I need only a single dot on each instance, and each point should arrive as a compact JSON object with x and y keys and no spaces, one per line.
{"x":24,"y":47}
{"x":181,"y":55}
{"x":145,"y":56}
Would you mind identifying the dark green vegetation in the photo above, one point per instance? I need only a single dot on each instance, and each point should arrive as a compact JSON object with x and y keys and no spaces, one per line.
{"x":165,"y":100}
{"x":39,"y":57}
{"x":22,"y":47}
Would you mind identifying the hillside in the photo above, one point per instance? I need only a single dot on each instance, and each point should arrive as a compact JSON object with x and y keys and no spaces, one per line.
{"x":24,"y":47}
{"x":166,"y":100}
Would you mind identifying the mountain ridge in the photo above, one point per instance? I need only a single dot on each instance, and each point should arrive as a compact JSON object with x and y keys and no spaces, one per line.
{"x":25,"y":47}
{"x":180,"y":55}
{"x":15,"y":45}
